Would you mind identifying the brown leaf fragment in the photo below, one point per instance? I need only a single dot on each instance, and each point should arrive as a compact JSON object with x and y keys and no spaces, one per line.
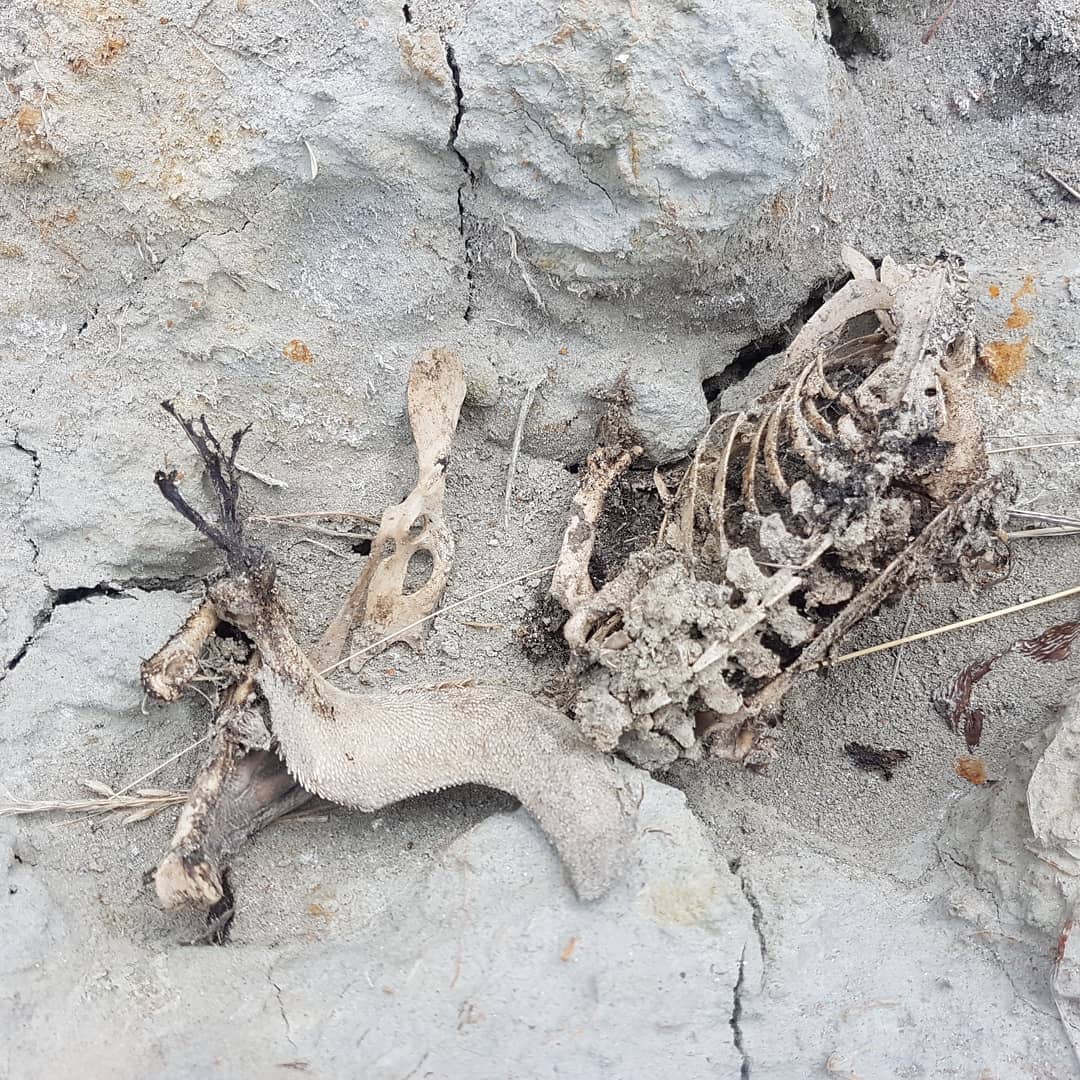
{"x":955,"y":699}
{"x":875,"y":759}
{"x":973,"y":726}
{"x":1052,"y":645}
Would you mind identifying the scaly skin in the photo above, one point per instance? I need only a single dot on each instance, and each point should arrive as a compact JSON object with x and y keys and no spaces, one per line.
{"x":374,"y":749}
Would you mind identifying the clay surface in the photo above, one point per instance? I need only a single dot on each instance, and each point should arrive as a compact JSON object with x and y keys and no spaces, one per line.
{"x":267,"y":212}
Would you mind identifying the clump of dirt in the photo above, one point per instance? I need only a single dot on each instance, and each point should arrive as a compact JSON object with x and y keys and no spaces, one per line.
{"x":631,"y":521}
{"x":539,"y":634}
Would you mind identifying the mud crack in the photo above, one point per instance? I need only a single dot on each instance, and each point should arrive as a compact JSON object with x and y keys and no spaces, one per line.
{"x":281,"y":1007}
{"x":757,"y":916}
{"x":469,"y":180}
{"x":35,"y":459}
{"x":113,"y":590}
{"x":35,"y":486}
{"x":736,"y":1018}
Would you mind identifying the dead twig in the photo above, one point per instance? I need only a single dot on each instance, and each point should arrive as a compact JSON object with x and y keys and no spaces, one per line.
{"x":936,"y":25}
{"x":922,"y":635}
{"x":515,"y":447}
{"x":1063,"y":184}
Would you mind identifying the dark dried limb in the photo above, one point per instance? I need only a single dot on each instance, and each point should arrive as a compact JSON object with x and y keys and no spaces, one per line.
{"x":225,"y":480}
{"x":875,"y":758}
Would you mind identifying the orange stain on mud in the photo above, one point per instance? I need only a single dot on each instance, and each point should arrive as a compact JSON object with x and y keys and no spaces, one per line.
{"x":1005,"y":360}
{"x":972,"y":769}
{"x":1027,"y":289}
{"x":298,"y":352}
{"x":1018,"y":320}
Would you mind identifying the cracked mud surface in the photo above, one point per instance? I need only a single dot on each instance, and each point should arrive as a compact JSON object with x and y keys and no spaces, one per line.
{"x":162,"y":235}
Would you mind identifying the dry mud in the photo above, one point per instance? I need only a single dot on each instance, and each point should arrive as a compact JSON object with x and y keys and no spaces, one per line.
{"x":266,"y":212}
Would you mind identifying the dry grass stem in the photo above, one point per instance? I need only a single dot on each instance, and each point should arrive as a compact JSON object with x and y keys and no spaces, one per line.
{"x":320,"y":544}
{"x":511,"y":237}
{"x":1032,"y":446}
{"x":165,"y":764}
{"x":263,"y":478}
{"x":141,"y":804}
{"x":1054,"y":530}
{"x":305,"y":522}
{"x":277,"y":519}
{"x":1037,"y":435}
{"x":1063,"y":184}
{"x":515,"y":448}
{"x":998,"y":614}
{"x":441,"y":611}
{"x":1053,"y":519}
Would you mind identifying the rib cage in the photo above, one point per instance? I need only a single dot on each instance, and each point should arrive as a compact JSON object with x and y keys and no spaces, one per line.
{"x":858,"y":475}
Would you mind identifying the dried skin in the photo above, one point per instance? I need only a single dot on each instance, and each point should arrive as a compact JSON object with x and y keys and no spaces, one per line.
{"x":371,"y":750}
{"x":374,"y":749}
{"x":241,"y":788}
{"x":860,"y":474}
{"x":174,"y":665}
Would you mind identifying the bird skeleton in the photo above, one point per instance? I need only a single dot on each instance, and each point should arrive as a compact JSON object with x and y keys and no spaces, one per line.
{"x":859,"y":475}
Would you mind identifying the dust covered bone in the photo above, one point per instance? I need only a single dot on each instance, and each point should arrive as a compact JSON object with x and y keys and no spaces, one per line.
{"x":860,"y":474}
